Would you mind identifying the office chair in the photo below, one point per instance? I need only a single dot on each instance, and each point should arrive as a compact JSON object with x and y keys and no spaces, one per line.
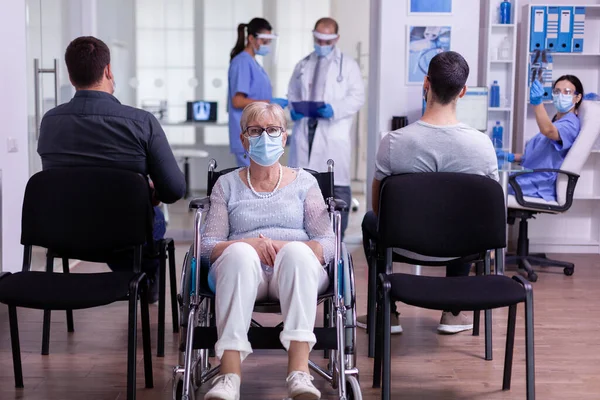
{"x":524,"y":207}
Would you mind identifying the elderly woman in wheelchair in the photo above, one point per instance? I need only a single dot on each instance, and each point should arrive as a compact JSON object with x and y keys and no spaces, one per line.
{"x":267,"y":236}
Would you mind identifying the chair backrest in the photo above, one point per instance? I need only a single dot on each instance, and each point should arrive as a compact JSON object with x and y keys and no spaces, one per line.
{"x":86,"y":213}
{"x":589,"y":115}
{"x":325,"y":179}
{"x":442,"y":214}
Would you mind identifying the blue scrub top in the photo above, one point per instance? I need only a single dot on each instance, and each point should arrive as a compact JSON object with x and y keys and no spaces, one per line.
{"x":542,"y":152}
{"x":248,"y":77}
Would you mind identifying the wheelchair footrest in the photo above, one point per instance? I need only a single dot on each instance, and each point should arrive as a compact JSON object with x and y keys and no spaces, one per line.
{"x":263,"y":338}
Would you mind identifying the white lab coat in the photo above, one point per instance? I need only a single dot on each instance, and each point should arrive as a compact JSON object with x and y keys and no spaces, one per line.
{"x":332,"y":138}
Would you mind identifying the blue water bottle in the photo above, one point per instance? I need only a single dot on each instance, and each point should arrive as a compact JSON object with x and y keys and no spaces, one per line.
{"x":497,"y":135}
{"x":495,"y":95}
{"x":505,"y":12}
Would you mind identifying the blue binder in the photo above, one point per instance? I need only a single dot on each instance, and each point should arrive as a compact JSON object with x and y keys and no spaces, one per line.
{"x":578,"y":29}
{"x":537,"y":36}
{"x":552,"y":14}
{"x":565,"y":22}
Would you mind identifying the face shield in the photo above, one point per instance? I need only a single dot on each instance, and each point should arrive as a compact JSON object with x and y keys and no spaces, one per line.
{"x":267,"y":47}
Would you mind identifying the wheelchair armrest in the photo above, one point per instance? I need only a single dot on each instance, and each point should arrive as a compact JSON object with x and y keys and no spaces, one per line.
{"x":338,"y":204}
{"x":202,"y":203}
{"x":512,"y":180}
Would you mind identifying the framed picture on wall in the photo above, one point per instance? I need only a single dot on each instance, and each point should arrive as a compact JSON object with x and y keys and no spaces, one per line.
{"x":424,"y":43}
{"x":429,"y":6}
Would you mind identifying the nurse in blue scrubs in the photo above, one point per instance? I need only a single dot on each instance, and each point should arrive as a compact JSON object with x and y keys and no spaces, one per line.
{"x":550,"y":146}
{"x":248,"y":81}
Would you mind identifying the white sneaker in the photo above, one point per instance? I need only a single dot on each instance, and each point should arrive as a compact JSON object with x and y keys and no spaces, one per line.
{"x":300,"y":387}
{"x":450,"y":323}
{"x":395,"y":327}
{"x":224,"y":387}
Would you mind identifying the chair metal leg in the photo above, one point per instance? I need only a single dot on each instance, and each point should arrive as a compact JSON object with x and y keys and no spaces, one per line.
{"x":47,"y":313}
{"x":132,"y":342}
{"x":173,"y":281}
{"x":46,"y":333}
{"x":529,"y":345}
{"x":377,"y":332}
{"x":488,"y":315}
{"x":372,"y":303}
{"x":162,"y":287}
{"x":15,"y":345}
{"x":510,"y":344}
{"x":326,"y":310}
{"x":70,"y":325}
{"x":387,"y":345}
{"x":488,"y":335}
{"x":146,"y":343}
{"x":477,"y":313}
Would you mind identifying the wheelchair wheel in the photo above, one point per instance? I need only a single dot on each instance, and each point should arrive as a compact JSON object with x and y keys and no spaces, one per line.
{"x":353,"y":391}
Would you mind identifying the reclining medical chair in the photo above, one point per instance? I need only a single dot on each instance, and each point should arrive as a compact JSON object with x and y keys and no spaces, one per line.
{"x":524,"y":207}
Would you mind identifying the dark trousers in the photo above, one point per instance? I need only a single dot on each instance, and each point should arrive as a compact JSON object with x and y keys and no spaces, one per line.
{"x":149,"y":265}
{"x":369,"y":231}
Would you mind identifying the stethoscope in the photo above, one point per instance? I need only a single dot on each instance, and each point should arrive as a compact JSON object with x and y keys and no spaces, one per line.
{"x":340,"y":76}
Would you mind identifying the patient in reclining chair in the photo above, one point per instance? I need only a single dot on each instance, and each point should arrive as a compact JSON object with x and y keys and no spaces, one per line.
{"x":267,"y":236}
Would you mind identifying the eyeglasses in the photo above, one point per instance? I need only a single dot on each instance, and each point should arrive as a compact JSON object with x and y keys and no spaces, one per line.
{"x":256,"y":131}
{"x":567,"y":91}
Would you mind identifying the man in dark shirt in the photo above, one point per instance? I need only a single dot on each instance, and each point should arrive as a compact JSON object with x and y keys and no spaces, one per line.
{"x":95,"y":130}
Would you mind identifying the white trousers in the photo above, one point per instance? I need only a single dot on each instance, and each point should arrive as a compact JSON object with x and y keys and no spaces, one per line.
{"x":239,"y":281}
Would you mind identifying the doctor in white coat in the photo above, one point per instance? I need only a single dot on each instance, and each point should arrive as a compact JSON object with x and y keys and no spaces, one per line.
{"x":326,"y":75}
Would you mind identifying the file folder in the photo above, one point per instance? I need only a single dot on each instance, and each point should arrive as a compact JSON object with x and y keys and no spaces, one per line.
{"x":565,"y":36}
{"x":552,"y":28}
{"x":537,"y":35}
{"x":578,"y":29}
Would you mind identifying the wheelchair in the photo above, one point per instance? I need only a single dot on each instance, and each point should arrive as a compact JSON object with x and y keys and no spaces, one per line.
{"x":198,"y":333}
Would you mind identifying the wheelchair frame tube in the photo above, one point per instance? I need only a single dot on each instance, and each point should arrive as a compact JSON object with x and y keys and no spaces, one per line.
{"x":196,"y":256}
{"x":340,"y":353}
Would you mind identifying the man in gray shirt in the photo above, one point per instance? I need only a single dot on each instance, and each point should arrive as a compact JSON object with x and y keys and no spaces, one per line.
{"x":438,"y":142}
{"x":95,"y":130}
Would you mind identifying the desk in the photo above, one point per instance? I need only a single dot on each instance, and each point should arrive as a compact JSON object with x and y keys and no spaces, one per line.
{"x":185,"y":155}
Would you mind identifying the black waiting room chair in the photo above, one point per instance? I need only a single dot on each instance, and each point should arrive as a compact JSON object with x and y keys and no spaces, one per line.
{"x":90,"y":214}
{"x":164,"y":250}
{"x":456,"y":216}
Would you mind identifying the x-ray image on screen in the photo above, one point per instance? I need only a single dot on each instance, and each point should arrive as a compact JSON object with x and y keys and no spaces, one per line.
{"x":202,"y":111}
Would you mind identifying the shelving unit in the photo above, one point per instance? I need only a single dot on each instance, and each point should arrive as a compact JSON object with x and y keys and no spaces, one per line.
{"x":503,"y":70}
{"x":577,"y":230}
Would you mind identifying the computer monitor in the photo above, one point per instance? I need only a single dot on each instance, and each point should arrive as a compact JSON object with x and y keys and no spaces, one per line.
{"x":202,"y":111}
{"x":472,"y":108}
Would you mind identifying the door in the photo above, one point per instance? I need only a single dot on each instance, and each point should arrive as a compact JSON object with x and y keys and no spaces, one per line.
{"x":47,"y":79}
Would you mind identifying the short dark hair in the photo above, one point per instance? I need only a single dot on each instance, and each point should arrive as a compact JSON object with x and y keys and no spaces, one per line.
{"x":86,"y":57}
{"x":328,"y":21}
{"x":448,"y":73}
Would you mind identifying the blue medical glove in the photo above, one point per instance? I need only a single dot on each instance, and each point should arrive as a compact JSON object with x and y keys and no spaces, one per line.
{"x":296,"y":115}
{"x":325,"y":111}
{"x":504,"y":155}
{"x":536,"y":93}
{"x":278,"y":100}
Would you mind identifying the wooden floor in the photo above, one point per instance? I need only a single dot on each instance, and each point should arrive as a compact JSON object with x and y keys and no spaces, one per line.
{"x":90,"y":363}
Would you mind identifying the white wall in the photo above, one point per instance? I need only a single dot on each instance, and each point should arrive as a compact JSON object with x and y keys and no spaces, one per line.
{"x":13,"y":114}
{"x":389,"y":95}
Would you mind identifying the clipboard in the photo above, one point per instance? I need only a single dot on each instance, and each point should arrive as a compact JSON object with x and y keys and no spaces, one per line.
{"x":307,"y":108}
